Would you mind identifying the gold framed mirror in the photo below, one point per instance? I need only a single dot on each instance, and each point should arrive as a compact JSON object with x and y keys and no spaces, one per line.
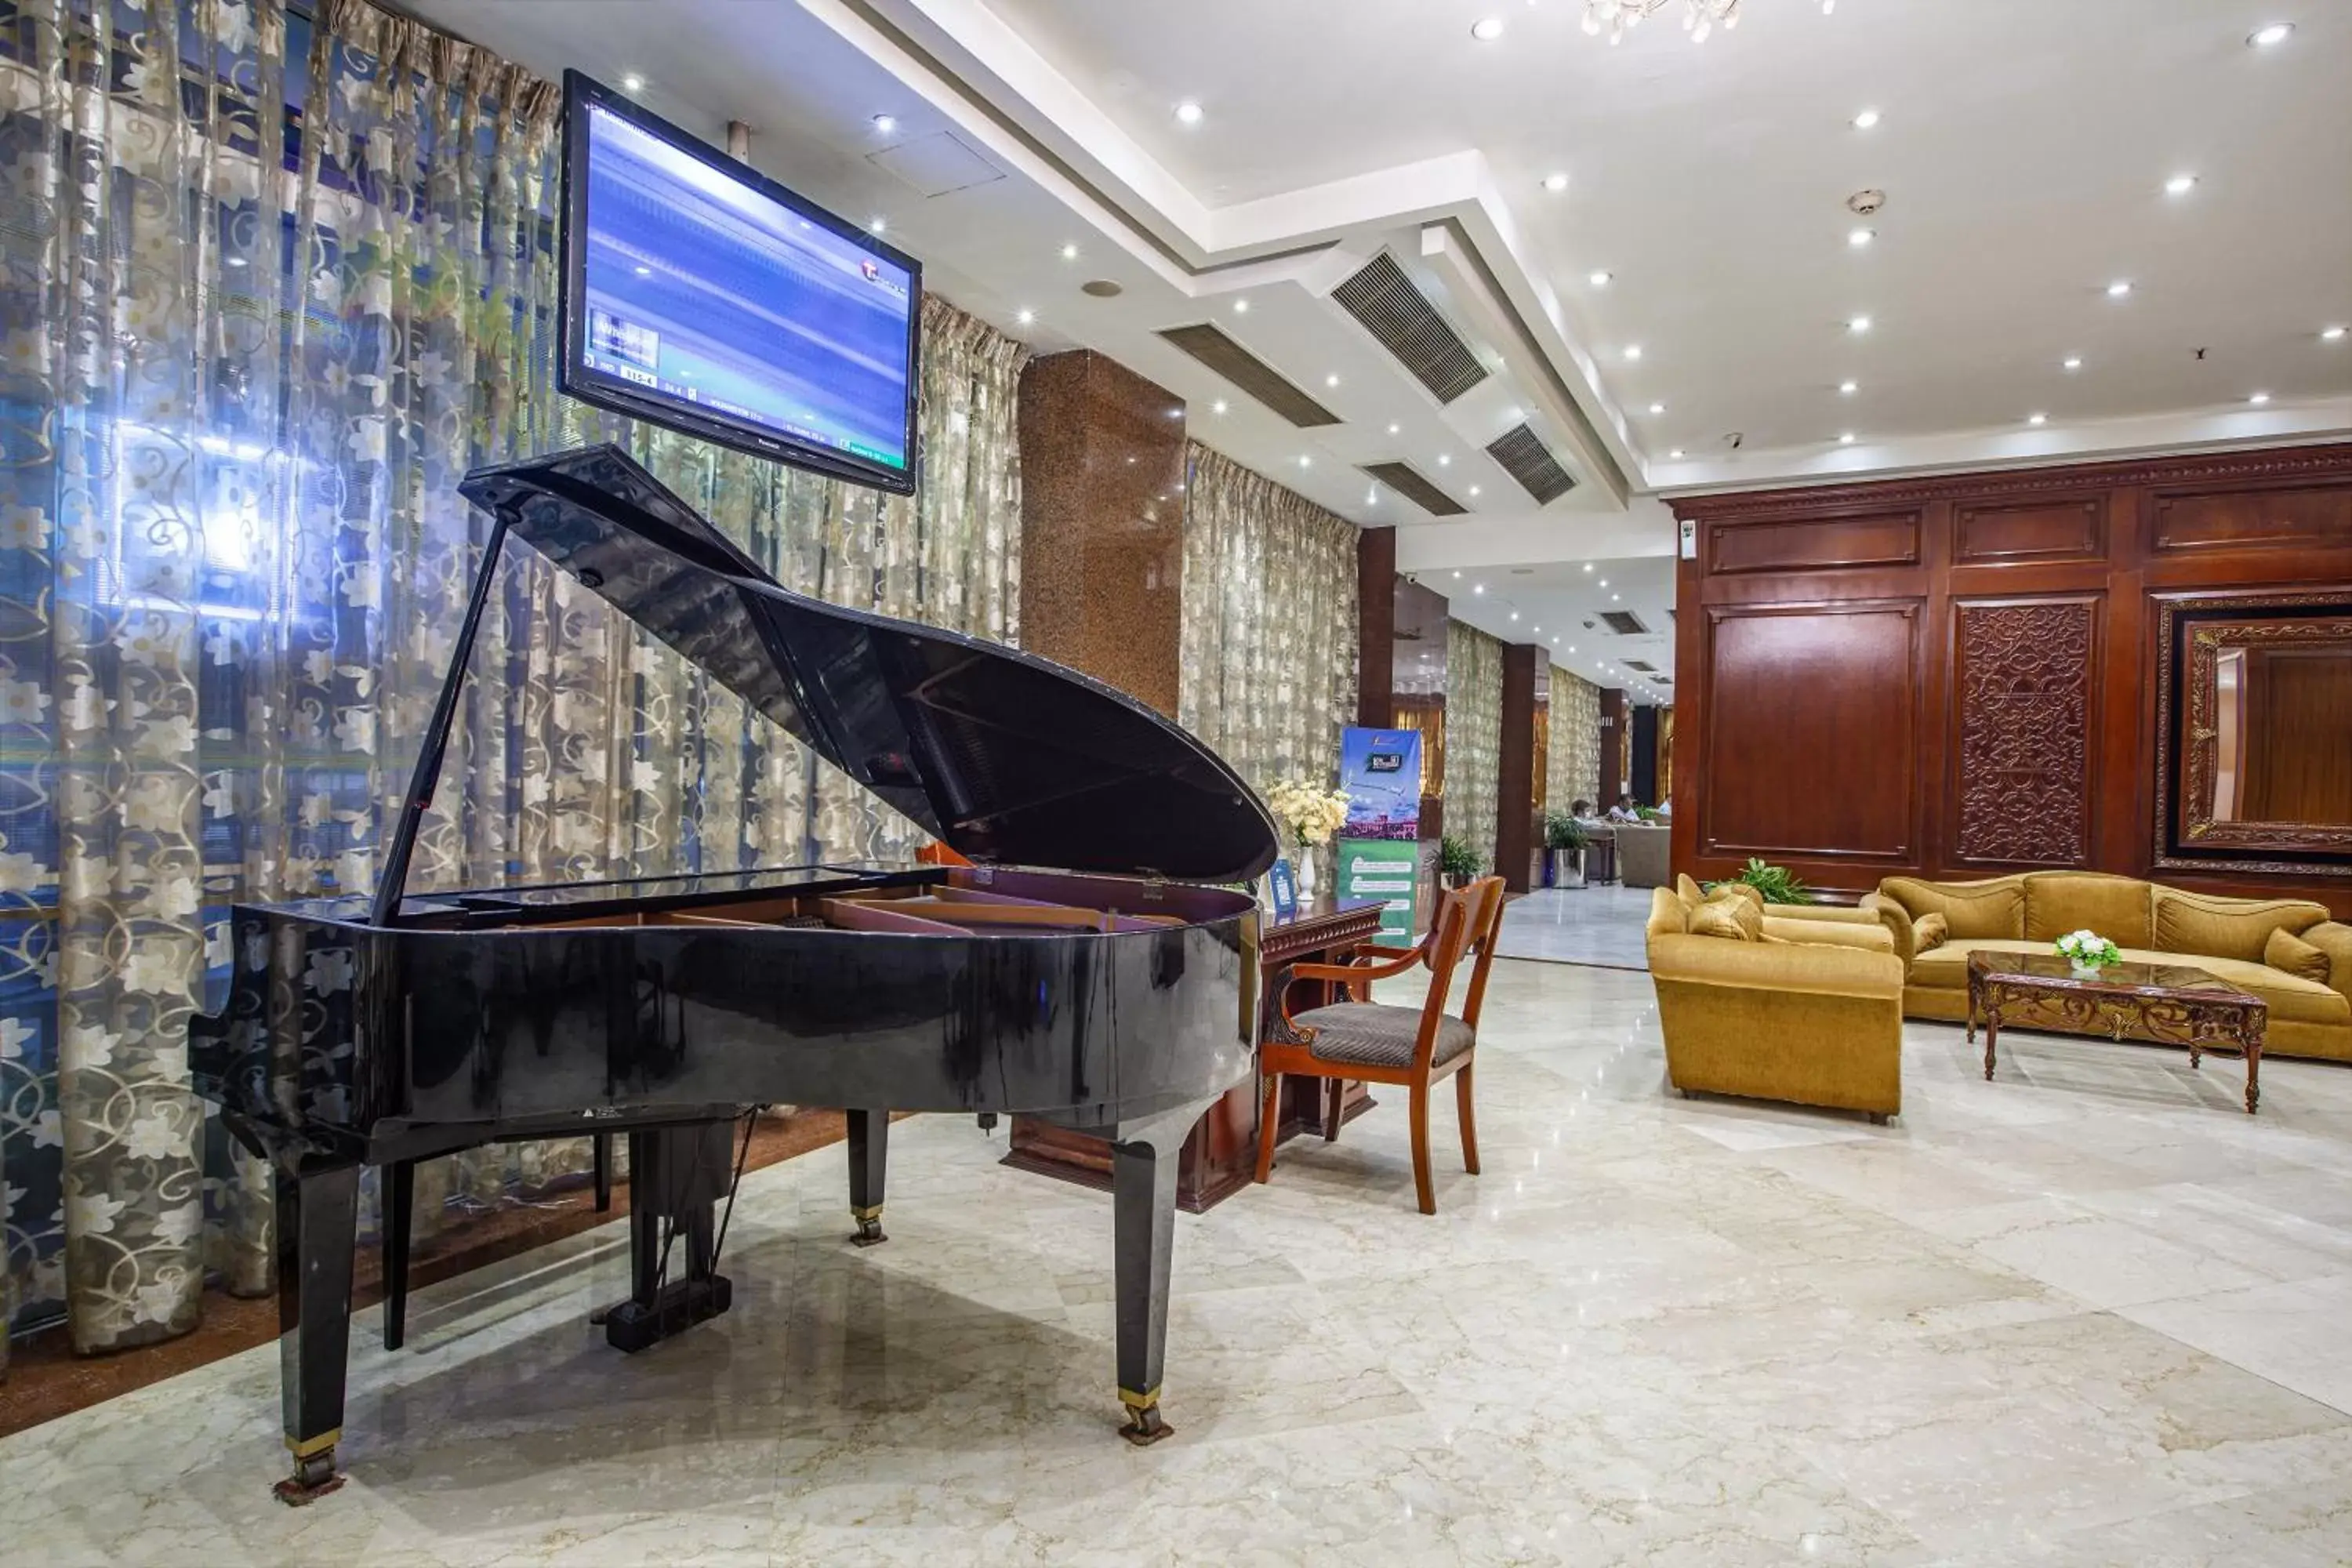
{"x":2254,"y":732}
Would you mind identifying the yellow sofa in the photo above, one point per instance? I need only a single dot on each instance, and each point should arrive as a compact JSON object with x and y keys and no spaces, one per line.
{"x":1809,"y":1012}
{"x":2227,"y":938}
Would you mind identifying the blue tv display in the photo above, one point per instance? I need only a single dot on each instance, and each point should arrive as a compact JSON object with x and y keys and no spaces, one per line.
{"x":701,"y":295}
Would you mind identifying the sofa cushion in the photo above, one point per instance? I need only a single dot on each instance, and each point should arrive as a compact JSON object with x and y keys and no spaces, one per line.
{"x":1669,"y":916}
{"x":2117,"y":908}
{"x":2290,"y":997}
{"x":1931,"y":931}
{"x":1870,"y":938}
{"x":1990,"y":910}
{"x":2291,"y":955}
{"x":1734,"y":918}
{"x":2188,"y":923}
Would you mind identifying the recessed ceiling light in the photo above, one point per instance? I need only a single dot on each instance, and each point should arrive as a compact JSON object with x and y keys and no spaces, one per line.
{"x":1025,"y":316}
{"x":1555,"y":183}
{"x":1458,"y":574}
{"x":1218,"y":406}
{"x":1331,"y":381}
{"x":1305,"y":461}
{"x":2037,"y":419}
{"x":633,"y":83}
{"x":1604,"y":582}
{"x":1599,"y":280}
{"x":1657,"y":408}
{"x":1845,"y":439}
{"x":1069,"y":253}
{"x":2259,"y":398}
{"x":1188,"y":113}
{"x":1373,"y":495}
{"x":1614,"y":597}
{"x":1554,"y":642}
{"x":2331,"y":335}
{"x":1632,"y":350}
{"x":885,"y":123}
{"x":1861,"y":236}
{"x":1514,"y":615}
{"x":878,"y":224}
{"x":2072,"y":362}
{"x":1859,"y":324}
{"x":2119,"y":288}
{"x":1588,"y":566}
{"x":1478,"y":587}
{"x":1571,"y":647}
{"x":1487,"y":29}
{"x":1674,"y":452}
{"x":2180,"y":184}
{"x":1848,"y":388}
{"x":1241,"y":307}
{"x":1474,"y":490}
{"x":1393,"y":428}
{"x":2262,"y":37}
{"x":1865,"y":120}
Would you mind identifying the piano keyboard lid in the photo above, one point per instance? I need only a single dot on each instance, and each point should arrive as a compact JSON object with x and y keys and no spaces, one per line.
{"x":1006,"y":757}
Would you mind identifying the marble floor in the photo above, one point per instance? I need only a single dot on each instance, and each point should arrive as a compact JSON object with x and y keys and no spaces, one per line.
{"x":2088,"y":1313}
{"x":1600,"y":925}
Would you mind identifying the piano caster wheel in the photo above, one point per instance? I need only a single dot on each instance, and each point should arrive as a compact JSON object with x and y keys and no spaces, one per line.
{"x":314,"y":1476}
{"x":869,"y":1228}
{"x":1144,"y":1426}
{"x":988,"y":1122}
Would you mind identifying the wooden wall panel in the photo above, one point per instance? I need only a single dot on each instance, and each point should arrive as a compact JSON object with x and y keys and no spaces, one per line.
{"x":2023,"y":734}
{"x":2024,"y":684}
{"x":1814,"y":720}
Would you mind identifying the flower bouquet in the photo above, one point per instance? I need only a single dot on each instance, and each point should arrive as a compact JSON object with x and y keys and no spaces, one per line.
{"x":2088,"y":952}
{"x":1311,"y":815}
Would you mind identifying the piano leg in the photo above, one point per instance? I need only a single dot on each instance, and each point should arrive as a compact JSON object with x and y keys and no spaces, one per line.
{"x":398,"y":1194}
{"x":1143,"y":1209}
{"x":318,"y":1229}
{"x":677,"y":1174}
{"x":869,"y":1155}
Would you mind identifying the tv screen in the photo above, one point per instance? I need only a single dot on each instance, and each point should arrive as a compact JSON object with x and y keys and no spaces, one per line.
{"x":699,"y":294}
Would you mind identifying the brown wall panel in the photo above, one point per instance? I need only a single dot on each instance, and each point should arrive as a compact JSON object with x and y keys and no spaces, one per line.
{"x":2010,"y":723}
{"x":2254,"y":519}
{"x":1815,"y":545}
{"x":1814,"y":723}
{"x":2032,"y":531}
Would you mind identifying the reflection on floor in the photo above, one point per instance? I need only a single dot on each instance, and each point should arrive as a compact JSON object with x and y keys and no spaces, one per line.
{"x":2088,"y":1313}
{"x":1579,"y":925}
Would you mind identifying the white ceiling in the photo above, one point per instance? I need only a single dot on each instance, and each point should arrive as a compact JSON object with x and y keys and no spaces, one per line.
{"x":1558,"y":605}
{"x":2023,"y":149}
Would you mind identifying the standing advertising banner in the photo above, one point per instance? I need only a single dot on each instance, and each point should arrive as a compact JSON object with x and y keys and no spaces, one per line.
{"x":1379,"y":847}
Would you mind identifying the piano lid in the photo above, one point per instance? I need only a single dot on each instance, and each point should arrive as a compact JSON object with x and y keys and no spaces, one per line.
{"x":1005,"y":756}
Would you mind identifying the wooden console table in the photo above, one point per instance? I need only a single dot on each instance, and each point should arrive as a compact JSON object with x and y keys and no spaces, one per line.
{"x":1221,"y":1155}
{"x":2168,"y":1004}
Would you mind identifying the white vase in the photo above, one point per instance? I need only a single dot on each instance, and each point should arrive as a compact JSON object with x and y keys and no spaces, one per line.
{"x":2086,"y":971}
{"x":1305,"y":874}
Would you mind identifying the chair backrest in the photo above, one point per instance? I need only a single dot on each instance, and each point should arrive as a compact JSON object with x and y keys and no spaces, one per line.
{"x":1464,"y":924}
{"x":1484,"y":933}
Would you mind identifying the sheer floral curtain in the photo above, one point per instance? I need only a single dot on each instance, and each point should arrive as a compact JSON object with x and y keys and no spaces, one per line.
{"x":270,"y":289}
{"x":1268,"y":641}
{"x":1474,"y":736}
{"x":1575,"y":759}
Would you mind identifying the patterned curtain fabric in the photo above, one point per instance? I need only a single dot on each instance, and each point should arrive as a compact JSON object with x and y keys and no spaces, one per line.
{"x":1269,"y":624}
{"x":270,"y":291}
{"x":1575,"y":760}
{"x":1474,"y":736}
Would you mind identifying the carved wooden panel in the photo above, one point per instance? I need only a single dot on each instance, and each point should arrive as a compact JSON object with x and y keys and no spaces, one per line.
{"x":1815,"y":545}
{"x":2254,"y":518}
{"x":2022,"y":692}
{"x":1809,"y":736}
{"x":2030,"y":530}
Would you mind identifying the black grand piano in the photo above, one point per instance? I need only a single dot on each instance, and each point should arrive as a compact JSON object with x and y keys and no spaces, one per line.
{"x":1079,"y":970}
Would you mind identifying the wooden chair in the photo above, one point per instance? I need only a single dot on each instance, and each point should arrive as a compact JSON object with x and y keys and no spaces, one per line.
{"x":1410,"y":1047}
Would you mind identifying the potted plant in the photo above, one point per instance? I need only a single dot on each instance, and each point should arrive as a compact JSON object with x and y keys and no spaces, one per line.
{"x":1778,"y":884}
{"x":1564,"y":842}
{"x":2088,"y":952}
{"x":1457,"y":862}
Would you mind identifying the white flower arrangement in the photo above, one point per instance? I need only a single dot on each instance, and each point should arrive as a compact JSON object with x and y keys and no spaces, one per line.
{"x":2088,"y":949}
{"x":1311,"y":812}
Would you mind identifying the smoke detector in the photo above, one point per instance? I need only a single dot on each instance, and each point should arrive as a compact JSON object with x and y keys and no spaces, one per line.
{"x":1861,"y":204}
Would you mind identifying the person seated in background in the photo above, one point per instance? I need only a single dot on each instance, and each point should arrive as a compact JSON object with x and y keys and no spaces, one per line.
{"x":1581,"y":810}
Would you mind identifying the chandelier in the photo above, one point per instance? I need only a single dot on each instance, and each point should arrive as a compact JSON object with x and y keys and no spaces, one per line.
{"x":1700,"y":17}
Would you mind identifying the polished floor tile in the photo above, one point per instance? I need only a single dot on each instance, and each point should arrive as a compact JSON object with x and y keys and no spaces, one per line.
{"x":2089,"y":1313}
{"x":1599,"y":924}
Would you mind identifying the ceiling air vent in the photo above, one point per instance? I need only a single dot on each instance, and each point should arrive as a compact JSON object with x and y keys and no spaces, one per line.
{"x":1527,"y":459}
{"x":1624,"y":622}
{"x":1406,"y":481}
{"x":1252,"y":374}
{"x":1385,"y":302}
{"x":1644,"y":665}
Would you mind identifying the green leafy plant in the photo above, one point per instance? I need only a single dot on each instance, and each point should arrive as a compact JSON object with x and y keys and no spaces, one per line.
{"x":1456,"y":858}
{"x":1649,"y":814}
{"x":1777,"y":883}
{"x":1562,"y":831}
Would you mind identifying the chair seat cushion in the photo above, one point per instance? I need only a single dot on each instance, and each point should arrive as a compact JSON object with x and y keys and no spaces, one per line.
{"x":1371,"y":1034}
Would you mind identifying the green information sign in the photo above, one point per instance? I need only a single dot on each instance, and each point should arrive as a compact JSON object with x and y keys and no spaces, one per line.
{"x":1382,"y":868}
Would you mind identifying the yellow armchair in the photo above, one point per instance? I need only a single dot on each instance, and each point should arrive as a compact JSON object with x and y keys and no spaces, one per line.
{"x":1811,"y":1023}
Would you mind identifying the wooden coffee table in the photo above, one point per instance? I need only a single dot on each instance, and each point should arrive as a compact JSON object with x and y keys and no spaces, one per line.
{"x":2170,"y":1003}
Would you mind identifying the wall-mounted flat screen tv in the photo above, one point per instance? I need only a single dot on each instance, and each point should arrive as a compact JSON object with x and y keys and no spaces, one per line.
{"x":701,"y":295}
